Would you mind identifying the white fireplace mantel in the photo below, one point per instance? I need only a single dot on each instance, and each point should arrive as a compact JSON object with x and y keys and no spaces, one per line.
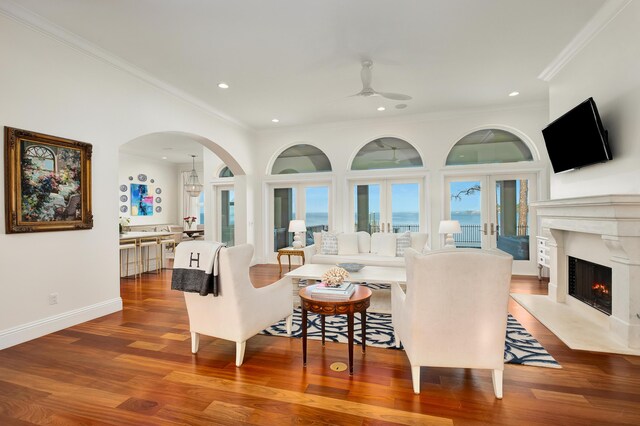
{"x":570,"y":224}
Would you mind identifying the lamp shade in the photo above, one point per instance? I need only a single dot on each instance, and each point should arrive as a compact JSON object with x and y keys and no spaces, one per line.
{"x":449,"y":227}
{"x":297,"y":226}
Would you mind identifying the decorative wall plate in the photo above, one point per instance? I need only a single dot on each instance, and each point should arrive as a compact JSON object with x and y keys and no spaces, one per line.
{"x":124,"y":198}
{"x":158,"y":200}
{"x":152,"y":181}
{"x":158,"y":209}
{"x":130,"y":177}
{"x":142,"y":177}
{"x":158,"y":191}
{"x":123,"y":188}
{"x":124,"y":209}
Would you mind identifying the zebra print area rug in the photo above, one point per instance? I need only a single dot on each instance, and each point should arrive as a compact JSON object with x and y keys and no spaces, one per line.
{"x":520,"y":346}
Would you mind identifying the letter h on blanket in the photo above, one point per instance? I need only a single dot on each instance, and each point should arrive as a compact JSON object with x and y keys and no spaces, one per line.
{"x":195,"y":268}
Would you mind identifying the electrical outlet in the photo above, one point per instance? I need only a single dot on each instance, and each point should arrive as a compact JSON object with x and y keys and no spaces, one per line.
{"x":53,"y":298}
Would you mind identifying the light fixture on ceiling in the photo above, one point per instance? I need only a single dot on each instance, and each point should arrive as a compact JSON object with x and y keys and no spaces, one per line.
{"x":275,"y":120}
{"x":514,"y":93}
{"x":381,"y":108}
{"x":223,"y":85}
{"x":193,"y":186}
{"x":164,"y":158}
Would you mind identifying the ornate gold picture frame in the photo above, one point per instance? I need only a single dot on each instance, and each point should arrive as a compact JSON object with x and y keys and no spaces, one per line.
{"x":47,"y":182}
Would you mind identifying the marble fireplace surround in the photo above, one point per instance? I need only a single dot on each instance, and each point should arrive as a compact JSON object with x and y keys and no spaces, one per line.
{"x":601,"y":229}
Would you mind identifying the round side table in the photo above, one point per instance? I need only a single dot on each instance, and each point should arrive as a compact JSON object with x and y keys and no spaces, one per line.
{"x":358,"y":302}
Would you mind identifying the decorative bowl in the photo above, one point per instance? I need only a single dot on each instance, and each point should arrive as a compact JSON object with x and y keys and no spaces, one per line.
{"x":351,"y":267}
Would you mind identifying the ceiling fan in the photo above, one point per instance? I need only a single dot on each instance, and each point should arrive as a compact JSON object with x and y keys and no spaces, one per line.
{"x":393,"y":158}
{"x":367,"y":90}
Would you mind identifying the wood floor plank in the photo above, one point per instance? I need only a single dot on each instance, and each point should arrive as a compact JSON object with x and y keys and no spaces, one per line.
{"x":135,"y":367}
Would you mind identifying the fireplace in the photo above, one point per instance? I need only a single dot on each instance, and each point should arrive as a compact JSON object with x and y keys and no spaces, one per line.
{"x":590,"y":283}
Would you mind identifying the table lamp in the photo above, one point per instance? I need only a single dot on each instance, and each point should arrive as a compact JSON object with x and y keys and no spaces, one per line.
{"x":297,"y":227}
{"x":449,"y":227}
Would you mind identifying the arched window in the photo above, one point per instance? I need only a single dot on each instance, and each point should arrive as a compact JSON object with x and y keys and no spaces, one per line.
{"x":386,"y":153}
{"x":301,"y":158}
{"x":489,"y":146}
{"x":42,"y":158}
{"x":225,"y":172}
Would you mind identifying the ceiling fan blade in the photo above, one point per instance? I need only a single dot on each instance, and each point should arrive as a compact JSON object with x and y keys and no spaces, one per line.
{"x":394,"y":96}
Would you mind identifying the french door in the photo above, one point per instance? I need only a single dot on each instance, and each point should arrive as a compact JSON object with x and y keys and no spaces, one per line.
{"x":493,"y":211}
{"x":387,"y":205}
{"x":223,"y":208}
{"x":226,"y":215}
{"x":309,"y":202}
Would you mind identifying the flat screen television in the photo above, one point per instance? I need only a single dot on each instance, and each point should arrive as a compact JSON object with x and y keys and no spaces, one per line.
{"x":577,"y":138}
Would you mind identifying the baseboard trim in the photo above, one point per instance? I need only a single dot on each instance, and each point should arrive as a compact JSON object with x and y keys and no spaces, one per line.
{"x":32,"y":330}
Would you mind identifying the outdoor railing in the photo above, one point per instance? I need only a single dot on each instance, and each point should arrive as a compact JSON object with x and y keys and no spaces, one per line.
{"x":283,"y":238}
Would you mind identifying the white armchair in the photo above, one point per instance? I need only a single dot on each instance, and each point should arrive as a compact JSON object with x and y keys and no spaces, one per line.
{"x":454,"y":311}
{"x":240,"y":311}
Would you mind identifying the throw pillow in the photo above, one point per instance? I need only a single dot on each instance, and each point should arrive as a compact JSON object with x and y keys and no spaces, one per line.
{"x":426,"y":248}
{"x":317,"y":241}
{"x":383,"y":244}
{"x":403,"y":241}
{"x":329,"y":243}
{"x":347,"y":244}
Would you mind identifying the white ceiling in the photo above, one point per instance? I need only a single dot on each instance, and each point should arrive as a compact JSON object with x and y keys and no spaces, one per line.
{"x":170,"y":147}
{"x":299,"y":60}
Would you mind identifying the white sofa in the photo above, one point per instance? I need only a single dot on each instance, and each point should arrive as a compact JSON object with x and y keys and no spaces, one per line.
{"x":377,"y":249}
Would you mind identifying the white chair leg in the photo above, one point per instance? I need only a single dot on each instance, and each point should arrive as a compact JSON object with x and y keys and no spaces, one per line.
{"x":195,"y":342}
{"x":289,"y":322}
{"x":415,"y":376}
{"x":396,"y":339}
{"x":240,"y":352}
{"x":496,"y":377}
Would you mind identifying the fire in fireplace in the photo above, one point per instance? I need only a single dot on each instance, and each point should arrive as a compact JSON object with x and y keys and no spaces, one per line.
{"x":590,"y":283}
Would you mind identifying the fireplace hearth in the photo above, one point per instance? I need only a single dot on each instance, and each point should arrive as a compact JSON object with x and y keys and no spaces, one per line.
{"x":590,"y":283}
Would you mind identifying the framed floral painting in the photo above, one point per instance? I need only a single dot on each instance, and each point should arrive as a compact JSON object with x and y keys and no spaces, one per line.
{"x":47,"y":182}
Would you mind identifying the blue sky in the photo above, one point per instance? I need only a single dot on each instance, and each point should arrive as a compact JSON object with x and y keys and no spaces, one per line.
{"x":404,"y":199}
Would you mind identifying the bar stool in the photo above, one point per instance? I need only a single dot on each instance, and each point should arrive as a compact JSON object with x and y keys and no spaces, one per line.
{"x":127,"y":245}
{"x":170,"y":242}
{"x":149,"y":242}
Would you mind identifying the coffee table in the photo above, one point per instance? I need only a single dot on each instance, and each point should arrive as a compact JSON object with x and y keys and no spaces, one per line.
{"x":358,"y":302}
{"x":312,"y":272}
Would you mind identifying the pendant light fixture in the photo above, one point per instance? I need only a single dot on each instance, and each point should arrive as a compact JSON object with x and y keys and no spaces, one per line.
{"x":193,"y":186}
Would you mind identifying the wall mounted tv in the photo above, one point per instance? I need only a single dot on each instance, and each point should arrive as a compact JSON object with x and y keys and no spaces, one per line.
{"x":577,"y":138}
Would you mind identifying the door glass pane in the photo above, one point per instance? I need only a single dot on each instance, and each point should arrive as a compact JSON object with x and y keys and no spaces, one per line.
{"x":367,"y":208}
{"x":283,"y":211}
{"x":512,"y":216}
{"x":405,"y":207}
{"x":227,"y":217}
{"x":465,"y":207}
{"x":316,"y":210}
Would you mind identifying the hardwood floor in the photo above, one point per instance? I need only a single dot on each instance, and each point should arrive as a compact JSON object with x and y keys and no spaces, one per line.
{"x":135,"y":367}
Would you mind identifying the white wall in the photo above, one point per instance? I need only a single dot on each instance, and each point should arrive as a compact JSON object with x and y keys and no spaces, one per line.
{"x":50,"y":87}
{"x":607,"y":69}
{"x":166,"y":176}
{"x":433,"y":135}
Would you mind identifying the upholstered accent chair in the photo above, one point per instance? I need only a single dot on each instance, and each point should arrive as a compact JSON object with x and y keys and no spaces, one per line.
{"x":454,"y":311}
{"x":240,"y":310}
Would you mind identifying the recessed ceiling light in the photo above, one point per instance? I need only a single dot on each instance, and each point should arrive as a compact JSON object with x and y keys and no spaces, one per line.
{"x":514,"y":93}
{"x":275,"y":120}
{"x":223,"y":85}
{"x":381,"y":108}
{"x":164,"y":158}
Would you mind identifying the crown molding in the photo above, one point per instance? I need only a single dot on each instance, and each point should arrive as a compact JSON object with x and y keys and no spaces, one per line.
{"x":20,"y":14}
{"x":596,"y":24}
